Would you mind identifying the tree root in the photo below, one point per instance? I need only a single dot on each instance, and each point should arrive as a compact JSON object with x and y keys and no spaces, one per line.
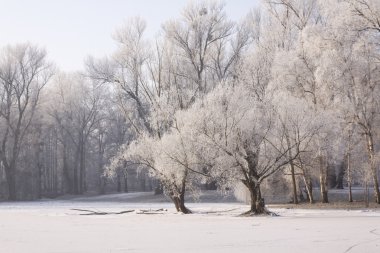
{"x":186,"y":211}
{"x":265,"y":212}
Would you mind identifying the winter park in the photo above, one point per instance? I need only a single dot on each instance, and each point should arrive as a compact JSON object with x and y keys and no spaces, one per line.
{"x":189,"y":126}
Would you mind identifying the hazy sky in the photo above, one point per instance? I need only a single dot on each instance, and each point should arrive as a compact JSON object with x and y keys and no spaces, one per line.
{"x":70,"y":30}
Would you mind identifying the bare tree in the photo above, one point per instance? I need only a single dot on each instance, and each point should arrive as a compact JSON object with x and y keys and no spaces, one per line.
{"x":201,"y":35}
{"x":23,"y":73}
{"x":76,"y":109}
{"x":126,"y":70}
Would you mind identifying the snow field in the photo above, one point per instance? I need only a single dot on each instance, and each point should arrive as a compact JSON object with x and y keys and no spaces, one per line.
{"x":53,"y":227}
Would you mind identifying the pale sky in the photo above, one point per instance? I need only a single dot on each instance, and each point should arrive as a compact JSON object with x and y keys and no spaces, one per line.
{"x":70,"y":30}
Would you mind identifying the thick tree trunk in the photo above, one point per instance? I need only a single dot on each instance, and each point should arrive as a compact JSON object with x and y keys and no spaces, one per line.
{"x":179,"y":203}
{"x":257,"y":205}
{"x":178,"y":197}
{"x":253,"y":186}
{"x":260,"y":204}
{"x":253,"y":198}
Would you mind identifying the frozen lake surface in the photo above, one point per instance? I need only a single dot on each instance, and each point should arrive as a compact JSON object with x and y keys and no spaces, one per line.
{"x":53,"y":227}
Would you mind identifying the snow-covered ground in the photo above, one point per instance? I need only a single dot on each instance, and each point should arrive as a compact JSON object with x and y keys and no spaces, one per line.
{"x":53,"y":227}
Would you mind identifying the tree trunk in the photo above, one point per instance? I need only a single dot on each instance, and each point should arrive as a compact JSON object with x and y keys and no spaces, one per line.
{"x":179,"y":203}
{"x":340,"y":177}
{"x":322,"y":180}
{"x":301,"y":197}
{"x":260,"y":204}
{"x":10,"y":174}
{"x":257,"y":205}
{"x":102,"y":185}
{"x":125,"y":174}
{"x":366,"y":194}
{"x":178,"y":197}
{"x":371,"y":152}
{"x":102,"y":178}
{"x":349,"y":177}
{"x":75,"y":172}
{"x":294,"y":183}
{"x":375,"y":183}
{"x":82,"y":168}
{"x":308,"y":182}
{"x":350,"y":199}
{"x":118,"y":183}
{"x":39,"y":180}
{"x":309,"y":188}
{"x":66,"y":175}
{"x":292,"y":171}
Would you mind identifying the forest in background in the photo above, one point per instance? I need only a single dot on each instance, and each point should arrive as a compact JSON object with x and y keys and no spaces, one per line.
{"x":289,"y":97}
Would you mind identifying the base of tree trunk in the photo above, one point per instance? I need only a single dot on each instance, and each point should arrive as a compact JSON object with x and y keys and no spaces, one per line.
{"x":179,"y":204}
{"x":258,"y":209}
{"x":264,"y":212}
{"x":185,"y":210}
{"x":325,"y":198}
{"x":182,"y":209}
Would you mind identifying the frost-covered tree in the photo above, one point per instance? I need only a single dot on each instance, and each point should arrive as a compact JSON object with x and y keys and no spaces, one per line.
{"x":195,"y":53}
{"x":201,"y":36}
{"x":297,"y":71}
{"x":76,"y":109}
{"x":172,"y":159}
{"x":24,"y":71}
{"x":297,"y":118}
{"x":351,"y":68}
{"x":242,"y":139}
{"x":125,"y":70}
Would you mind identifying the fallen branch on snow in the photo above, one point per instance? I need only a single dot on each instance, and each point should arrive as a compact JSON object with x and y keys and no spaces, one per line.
{"x":216,"y":212}
{"x":91,"y":212}
{"x":152,"y":211}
